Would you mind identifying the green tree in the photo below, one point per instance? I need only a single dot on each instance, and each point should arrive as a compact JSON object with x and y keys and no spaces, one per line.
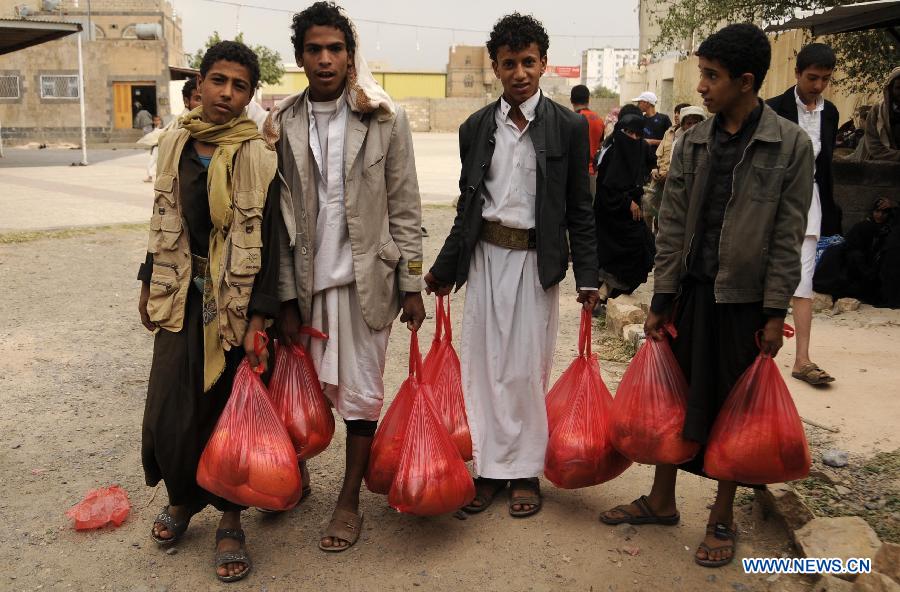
{"x":865,"y":58}
{"x":270,"y":68}
{"x":601,"y":92}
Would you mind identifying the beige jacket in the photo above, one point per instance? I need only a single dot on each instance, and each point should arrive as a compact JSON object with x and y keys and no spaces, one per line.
{"x":384,"y":210}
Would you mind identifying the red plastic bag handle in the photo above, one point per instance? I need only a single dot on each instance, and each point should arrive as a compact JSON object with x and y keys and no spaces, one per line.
{"x":260,"y":342}
{"x":415,"y":356}
{"x":584,"y":334}
{"x":442,"y":319}
{"x":314,"y":333}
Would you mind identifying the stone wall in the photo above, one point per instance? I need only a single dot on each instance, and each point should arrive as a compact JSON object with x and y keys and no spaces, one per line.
{"x":858,"y":184}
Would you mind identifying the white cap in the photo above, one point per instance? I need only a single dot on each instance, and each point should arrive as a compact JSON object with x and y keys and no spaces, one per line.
{"x":646,"y":96}
{"x":692,"y":110}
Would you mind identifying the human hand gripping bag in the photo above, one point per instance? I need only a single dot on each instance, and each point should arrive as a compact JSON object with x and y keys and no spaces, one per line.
{"x":650,"y":406}
{"x":758,"y":436}
{"x":249,"y":458}
{"x":298,"y":399}
{"x":442,"y":372}
{"x":388,"y":442}
{"x":432,"y":478}
{"x":580,"y":451}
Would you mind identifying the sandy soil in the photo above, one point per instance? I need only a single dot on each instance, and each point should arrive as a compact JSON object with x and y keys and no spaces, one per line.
{"x":73,"y":369}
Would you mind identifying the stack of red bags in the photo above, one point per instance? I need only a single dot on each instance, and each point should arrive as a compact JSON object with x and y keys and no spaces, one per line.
{"x":413,"y":458}
{"x":649,"y":409}
{"x":580,"y":451}
{"x":298,"y":399}
{"x":758,"y":436}
{"x":249,"y":459}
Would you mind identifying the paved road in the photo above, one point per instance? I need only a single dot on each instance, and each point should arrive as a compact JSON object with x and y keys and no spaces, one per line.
{"x":40,"y":189}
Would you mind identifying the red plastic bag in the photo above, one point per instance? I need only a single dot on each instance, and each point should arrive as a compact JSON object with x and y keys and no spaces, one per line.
{"x":580,"y":451}
{"x":249,"y":459}
{"x":388,"y":443}
{"x":649,"y":409}
{"x":443,"y":373}
{"x":431,"y":478}
{"x":106,"y":505}
{"x":758,"y":437}
{"x":298,"y":399}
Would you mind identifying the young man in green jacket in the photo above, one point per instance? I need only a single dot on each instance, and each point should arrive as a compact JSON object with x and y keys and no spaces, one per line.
{"x":728,"y":257}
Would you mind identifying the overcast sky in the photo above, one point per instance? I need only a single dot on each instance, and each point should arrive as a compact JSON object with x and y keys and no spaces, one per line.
{"x":613,"y":23}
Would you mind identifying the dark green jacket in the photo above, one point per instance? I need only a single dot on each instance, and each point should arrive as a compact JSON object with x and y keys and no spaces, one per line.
{"x":765,"y":218}
{"x":563,"y":212}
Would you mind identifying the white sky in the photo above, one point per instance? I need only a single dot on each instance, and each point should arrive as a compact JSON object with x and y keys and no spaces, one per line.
{"x":597,"y":24}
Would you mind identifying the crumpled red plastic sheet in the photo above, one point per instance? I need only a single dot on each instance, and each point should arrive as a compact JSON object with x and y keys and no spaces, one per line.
{"x":102,"y":506}
{"x":758,"y":436}
{"x":249,"y":459}
{"x":298,"y":399}
{"x":650,"y":406}
{"x":580,"y":451}
{"x":442,"y":372}
{"x":431,"y":478}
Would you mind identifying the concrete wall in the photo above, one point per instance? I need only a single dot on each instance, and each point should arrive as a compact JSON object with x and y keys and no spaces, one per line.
{"x":858,"y":184}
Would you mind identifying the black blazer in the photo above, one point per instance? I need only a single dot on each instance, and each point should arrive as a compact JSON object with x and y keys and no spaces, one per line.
{"x":786,"y":106}
{"x":564,"y":215}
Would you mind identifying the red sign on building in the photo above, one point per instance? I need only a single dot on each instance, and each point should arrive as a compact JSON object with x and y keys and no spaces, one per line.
{"x":565,"y":71}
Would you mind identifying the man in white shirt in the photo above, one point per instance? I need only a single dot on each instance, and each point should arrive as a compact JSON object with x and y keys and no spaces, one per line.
{"x":805,"y":105}
{"x":352,"y":258}
{"x":525,"y":199}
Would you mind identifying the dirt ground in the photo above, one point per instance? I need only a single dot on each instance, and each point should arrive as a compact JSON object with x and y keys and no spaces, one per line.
{"x":74,"y":362}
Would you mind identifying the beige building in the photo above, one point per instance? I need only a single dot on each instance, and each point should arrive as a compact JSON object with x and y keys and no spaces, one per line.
{"x":469,"y":73}
{"x":128,"y":47}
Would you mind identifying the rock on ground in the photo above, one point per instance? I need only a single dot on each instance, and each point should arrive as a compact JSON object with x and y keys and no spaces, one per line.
{"x":783,"y":500}
{"x":844,"y":537}
{"x":620,"y":314}
{"x":875,"y":582}
{"x":887,"y":561}
{"x":836,"y":458}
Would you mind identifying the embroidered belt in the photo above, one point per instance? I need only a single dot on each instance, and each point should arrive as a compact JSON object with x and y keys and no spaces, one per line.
{"x":508,"y":238}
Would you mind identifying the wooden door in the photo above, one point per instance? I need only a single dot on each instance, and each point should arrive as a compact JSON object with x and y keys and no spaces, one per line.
{"x":122,"y":116}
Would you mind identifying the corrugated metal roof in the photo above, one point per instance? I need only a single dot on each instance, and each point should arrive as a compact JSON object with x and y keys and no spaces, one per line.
{"x":847,"y":18}
{"x":16,"y":34}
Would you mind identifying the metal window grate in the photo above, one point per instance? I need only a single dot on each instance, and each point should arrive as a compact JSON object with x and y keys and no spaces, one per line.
{"x":59,"y":87}
{"x":9,"y":87}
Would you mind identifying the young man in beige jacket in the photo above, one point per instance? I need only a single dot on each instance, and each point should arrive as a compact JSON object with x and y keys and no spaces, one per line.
{"x":353,"y":255}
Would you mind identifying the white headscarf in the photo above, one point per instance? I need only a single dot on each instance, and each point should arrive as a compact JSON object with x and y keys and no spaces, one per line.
{"x":364,"y":94}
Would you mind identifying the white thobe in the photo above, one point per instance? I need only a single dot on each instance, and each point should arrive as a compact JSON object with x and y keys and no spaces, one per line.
{"x":350,"y":363}
{"x":510,"y":322}
{"x":811,"y":123}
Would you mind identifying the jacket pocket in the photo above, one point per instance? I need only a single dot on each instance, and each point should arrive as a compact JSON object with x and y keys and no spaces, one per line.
{"x":390,"y":254}
{"x":164,"y":189}
{"x":250,"y":200}
{"x":246,"y":247}
{"x":165,"y":229}
{"x":163,"y":286}
{"x":765,"y":183}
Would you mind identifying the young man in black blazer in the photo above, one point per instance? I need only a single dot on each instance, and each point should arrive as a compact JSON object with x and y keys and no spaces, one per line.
{"x":804,"y":105}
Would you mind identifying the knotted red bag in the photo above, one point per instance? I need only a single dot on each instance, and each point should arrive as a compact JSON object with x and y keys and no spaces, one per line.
{"x":431,"y":478}
{"x":650,"y":406}
{"x":388,"y":443}
{"x":106,"y":505}
{"x":298,"y":399}
{"x":580,"y":451}
{"x":442,"y":372}
{"x":758,"y":437}
{"x":249,"y":458}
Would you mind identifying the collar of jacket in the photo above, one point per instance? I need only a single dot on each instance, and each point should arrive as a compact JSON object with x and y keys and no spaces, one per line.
{"x":767,"y":130}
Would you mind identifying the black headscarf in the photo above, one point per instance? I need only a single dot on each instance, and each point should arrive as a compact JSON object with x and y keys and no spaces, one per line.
{"x":625,"y":163}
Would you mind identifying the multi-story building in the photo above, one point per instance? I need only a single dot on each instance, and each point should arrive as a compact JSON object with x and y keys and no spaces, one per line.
{"x":128,"y":49}
{"x":469,"y":72}
{"x":600,"y":66}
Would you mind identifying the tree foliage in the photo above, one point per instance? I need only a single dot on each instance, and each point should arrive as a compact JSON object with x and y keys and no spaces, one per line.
{"x":270,"y":68}
{"x":865,"y":58}
{"x":601,"y":92}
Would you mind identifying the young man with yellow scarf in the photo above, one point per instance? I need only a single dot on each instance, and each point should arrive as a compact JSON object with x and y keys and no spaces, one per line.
{"x":209,"y":282}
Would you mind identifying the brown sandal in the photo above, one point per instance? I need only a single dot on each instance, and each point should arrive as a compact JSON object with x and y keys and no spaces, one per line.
{"x":722,"y":533}
{"x":532,"y":498}
{"x":812,"y":374}
{"x":485,"y":494}
{"x":344,"y":526}
{"x":646,"y":515}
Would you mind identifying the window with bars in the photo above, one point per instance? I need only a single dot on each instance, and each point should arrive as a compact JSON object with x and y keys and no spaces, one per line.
{"x":64,"y":86}
{"x":9,"y":86}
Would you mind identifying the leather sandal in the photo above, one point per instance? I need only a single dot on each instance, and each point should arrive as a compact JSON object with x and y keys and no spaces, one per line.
{"x":646,"y":515}
{"x":812,"y":374}
{"x":722,"y":533}
{"x":226,"y":557}
{"x":344,"y":526}
{"x":174,"y":526}
{"x":485,"y":492}
{"x":531,"y":498}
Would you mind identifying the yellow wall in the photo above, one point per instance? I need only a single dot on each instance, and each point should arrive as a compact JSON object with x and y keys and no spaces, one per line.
{"x":399,"y":85}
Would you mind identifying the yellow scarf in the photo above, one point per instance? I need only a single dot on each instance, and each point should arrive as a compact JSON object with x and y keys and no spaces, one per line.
{"x":228,"y":138}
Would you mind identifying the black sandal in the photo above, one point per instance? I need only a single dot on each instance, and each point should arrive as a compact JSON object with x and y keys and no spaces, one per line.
{"x":485,"y":496}
{"x":722,"y":533}
{"x":646,"y":516}
{"x":532,"y":498}
{"x":226,"y":557}
{"x":176,"y":527}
